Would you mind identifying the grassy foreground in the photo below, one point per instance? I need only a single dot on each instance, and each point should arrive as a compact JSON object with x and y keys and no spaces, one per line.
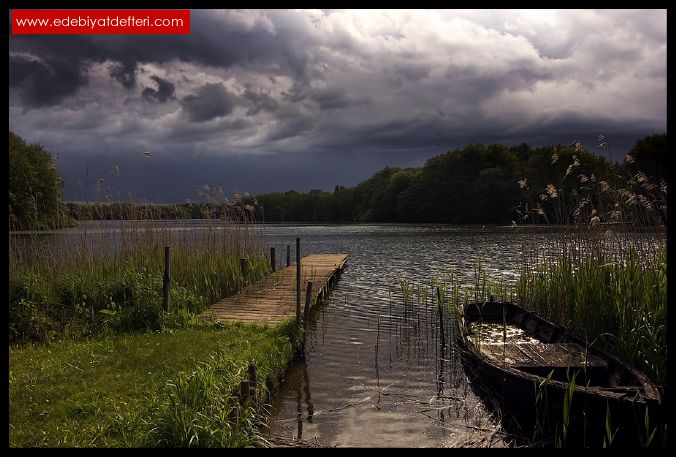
{"x":170,"y":388}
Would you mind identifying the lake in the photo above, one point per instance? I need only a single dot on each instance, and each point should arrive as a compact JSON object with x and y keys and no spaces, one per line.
{"x":408,"y":392}
{"x":412,"y":395}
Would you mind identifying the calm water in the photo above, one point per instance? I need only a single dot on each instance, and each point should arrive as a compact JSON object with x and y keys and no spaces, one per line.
{"x":408,"y":392}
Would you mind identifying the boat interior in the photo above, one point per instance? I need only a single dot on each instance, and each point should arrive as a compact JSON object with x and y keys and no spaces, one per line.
{"x":520,"y":340}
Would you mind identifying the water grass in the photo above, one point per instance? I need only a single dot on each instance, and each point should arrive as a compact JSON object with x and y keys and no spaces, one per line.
{"x":100,"y":277}
{"x":618,"y":299}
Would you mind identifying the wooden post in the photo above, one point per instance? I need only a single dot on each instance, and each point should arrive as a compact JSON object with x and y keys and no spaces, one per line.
{"x":234,"y":414}
{"x":244,"y":391}
{"x":288,"y":255}
{"x":441,"y":322}
{"x":297,"y":281}
{"x":244,"y":266}
{"x":273,"y":260}
{"x":166,"y":281}
{"x":308,"y":303}
{"x":252,"y":380}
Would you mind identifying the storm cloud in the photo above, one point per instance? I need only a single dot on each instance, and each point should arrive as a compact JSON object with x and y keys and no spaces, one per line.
{"x":211,"y":101}
{"x":255,"y":93}
{"x":163,"y":93}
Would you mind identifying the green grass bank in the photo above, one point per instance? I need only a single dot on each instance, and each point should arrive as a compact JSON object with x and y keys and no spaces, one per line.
{"x":168,"y":388}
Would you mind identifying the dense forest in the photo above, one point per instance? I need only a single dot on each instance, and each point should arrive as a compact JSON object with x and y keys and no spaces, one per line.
{"x":475,"y":184}
{"x":497,"y":184}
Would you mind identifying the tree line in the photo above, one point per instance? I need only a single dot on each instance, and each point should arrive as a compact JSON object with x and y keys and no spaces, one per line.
{"x":497,"y":184}
{"x":475,"y":184}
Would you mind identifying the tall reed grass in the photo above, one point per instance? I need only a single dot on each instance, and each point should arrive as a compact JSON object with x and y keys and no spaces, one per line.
{"x":104,"y":276}
{"x":605,"y":276}
{"x":617,"y":298}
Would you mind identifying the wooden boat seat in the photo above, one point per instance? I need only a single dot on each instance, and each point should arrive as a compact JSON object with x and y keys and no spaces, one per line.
{"x":542,"y":355}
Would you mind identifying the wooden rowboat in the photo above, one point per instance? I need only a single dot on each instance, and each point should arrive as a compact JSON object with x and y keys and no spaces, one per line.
{"x":535,"y":367}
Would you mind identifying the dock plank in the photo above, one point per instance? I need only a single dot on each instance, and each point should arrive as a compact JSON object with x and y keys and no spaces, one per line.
{"x":273,"y":298}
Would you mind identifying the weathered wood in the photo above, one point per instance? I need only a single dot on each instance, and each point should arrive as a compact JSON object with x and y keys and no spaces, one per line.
{"x":252,"y":380}
{"x":271,"y":299}
{"x":244,"y":267}
{"x":252,"y":374}
{"x":166,"y":280}
{"x":542,"y":355}
{"x":550,"y":357}
{"x":297,"y":281}
{"x":244,"y":391}
{"x":308,"y":303}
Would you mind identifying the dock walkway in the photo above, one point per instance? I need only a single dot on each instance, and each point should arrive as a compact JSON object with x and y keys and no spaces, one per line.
{"x":273,"y":298}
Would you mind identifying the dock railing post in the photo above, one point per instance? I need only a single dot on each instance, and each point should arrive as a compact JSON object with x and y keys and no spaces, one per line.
{"x":288,"y":255}
{"x":244,"y":391}
{"x":244,"y":266}
{"x":297,"y":281}
{"x":166,"y":280}
{"x":308,"y":304}
{"x":273,"y":260}
{"x":440,"y":307}
{"x":252,"y":380}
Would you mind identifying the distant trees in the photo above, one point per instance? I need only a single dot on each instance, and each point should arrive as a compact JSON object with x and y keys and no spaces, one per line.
{"x":475,"y":184}
{"x":649,"y":155}
{"x":34,"y":187}
{"x":485,"y":184}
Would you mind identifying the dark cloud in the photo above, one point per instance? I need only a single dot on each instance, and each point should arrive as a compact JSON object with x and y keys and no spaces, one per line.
{"x":211,"y":101}
{"x":412,"y":71}
{"x":260,"y":101}
{"x":44,"y":82}
{"x":352,"y":92}
{"x":289,"y":129}
{"x":124,"y":73}
{"x":212,"y":42}
{"x":163,"y":93}
{"x":331,"y":98}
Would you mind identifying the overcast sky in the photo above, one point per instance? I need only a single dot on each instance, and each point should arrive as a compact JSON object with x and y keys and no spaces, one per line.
{"x":263,"y":101}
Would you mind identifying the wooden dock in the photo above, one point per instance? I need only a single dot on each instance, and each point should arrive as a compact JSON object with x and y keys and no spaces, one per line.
{"x":273,"y":299}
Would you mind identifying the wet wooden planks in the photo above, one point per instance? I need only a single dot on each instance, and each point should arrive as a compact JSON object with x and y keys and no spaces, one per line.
{"x":273,"y":299}
{"x":541,"y":355}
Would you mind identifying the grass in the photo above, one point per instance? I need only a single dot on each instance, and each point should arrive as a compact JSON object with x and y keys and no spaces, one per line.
{"x":95,"y":361}
{"x":121,"y":293}
{"x":172,"y":388}
{"x":100,"y":279}
{"x":618,"y":300}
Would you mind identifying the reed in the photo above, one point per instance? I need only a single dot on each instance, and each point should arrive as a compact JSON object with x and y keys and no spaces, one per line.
{"x":101,"y":278}
{"x":618,"y":298}
{"x":604,"y":276}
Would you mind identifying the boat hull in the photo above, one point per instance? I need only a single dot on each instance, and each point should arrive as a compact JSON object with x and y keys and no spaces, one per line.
{"x":536,"y":404}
